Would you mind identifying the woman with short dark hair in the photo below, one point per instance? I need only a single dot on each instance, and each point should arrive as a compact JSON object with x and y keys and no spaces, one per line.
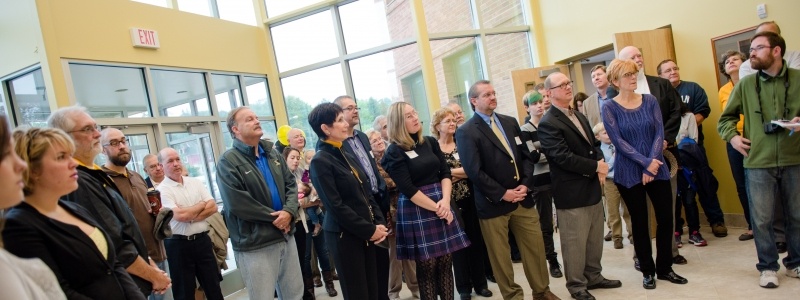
{"x":354,"y":224}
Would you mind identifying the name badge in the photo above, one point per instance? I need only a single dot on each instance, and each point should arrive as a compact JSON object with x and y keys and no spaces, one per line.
{"x":412,"y":154}
{"x":456,"y":156}
{"x":516,"y":139}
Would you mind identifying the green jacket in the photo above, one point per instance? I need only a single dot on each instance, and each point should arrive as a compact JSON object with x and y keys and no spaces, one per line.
{"x":766,"y":150}
{"x":247,"y":199}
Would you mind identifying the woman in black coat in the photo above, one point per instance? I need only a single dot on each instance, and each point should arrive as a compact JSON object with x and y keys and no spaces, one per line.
{"x":354,"y":223}
{"x":62,"y":234}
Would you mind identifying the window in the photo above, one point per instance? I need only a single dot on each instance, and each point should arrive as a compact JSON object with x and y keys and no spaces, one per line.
{"x":240,"y":11}
{"x":304,"y":41}
{"x":226,"y":93}
{"x":457,"y":63}
{"x":200,"y":7}
{"x":505,"y":53}
{"x":375,"y":83}
{"x":110,"y":92}
{"x":364,"y":23}
{"x":303,"y":92}
{"x":29,"y":96}
{"x":279,"y":7}
{"x":258,"y":95}
{"x":500,"y":13}
{"x":197,"y":156}
{"x":162,"y":3}
{"x":444,"y":16}
{"x":181,"y":93}
{"x":414,"y":93}
{"x":3,"y":109}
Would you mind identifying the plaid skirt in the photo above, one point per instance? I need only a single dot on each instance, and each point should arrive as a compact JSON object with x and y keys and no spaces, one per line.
{"x":421,"y":235}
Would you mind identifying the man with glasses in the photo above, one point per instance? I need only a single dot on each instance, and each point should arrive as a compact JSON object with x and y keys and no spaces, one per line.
{"x":190,"y":251}
{"x":154,"y":170}
{"x":772,"y":159}
{"x":133,"y":189}
{"x":577,"y":169}
{"x":358,"y":145}
{"x":696,"y":100}
{"x":100,"y":196}
{"x":453,"y":105}
{"x":792,"y":59}
{"x":670,"y":105}
{"x":501,"y":171}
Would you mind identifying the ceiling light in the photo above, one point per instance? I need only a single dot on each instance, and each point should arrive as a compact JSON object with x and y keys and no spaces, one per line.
{"x":121,"y":90}
{"x":181,"y":92}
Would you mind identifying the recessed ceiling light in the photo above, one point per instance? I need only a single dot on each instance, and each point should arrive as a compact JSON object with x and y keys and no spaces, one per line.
{"x":181,"y":92}
{"x":121,"y":90}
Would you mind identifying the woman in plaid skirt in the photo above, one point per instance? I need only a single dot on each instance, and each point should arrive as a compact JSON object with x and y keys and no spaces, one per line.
{"x":426,"y":230}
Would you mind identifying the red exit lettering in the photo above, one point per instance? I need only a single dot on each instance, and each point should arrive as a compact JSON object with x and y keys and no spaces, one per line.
{"x":147,"y":37}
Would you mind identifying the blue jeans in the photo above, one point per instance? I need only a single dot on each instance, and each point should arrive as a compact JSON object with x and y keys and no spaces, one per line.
{"x":318,"y":242}
{"x":766,"y":188}
{"x":273,"y":267}
{"x":163,"y":267}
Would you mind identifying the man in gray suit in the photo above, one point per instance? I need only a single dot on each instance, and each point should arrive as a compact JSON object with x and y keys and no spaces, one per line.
{"x":577,"y":170}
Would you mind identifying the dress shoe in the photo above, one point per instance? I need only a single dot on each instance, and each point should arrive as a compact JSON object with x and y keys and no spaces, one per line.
{"x":617,"y":243}
{"x":605,"y":284}
{"x":674,"y":278}
{"x":548,"y":295}
{"x":465,"y":296}
{"x":679,"y":260}
{"x":484,"y":293}
{"x":607,"y":237}
{"x":636,"y":264}
{"x":781,"y":247}
{"x":719,"y":230}
{"x":649,"y":282}
{"x":746,"y":236}
{"x":491,"y":278}
{"x":555,"y":269}
{"x":582,"y":295}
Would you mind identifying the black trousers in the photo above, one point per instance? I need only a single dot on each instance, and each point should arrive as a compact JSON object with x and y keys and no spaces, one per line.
{"x":356,"y":265}
{"x":300,"y":241}
{"x":660,"y":193}
{"x":190,"y":259}
{"x":468,"y":263}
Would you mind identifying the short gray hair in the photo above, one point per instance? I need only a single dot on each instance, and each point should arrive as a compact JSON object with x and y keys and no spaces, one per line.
{"x":338,"y":100}
{"x":376,"y":125}
{"x":62,"y":118}
{"x":146,"y":157}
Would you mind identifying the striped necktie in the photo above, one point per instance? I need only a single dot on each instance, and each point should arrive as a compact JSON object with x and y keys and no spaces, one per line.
{"x":503,"y":141}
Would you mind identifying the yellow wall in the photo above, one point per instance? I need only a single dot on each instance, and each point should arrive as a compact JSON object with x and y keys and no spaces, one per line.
{"x":20,"y":38}
{"x":571,"y":27}
{"x":100,"y":30}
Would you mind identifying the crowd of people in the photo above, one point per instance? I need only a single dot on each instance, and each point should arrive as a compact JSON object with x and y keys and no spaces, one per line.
{"x":444,"y":214}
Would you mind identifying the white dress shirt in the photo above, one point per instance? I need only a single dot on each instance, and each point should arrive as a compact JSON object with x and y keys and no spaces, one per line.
{"x":191,"y":192}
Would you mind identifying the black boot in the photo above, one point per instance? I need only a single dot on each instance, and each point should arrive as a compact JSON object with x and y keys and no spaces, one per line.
{"x":308,"y":289}
{"x":327,"y":276}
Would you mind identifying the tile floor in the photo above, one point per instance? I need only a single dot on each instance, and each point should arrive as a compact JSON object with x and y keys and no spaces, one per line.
{"x":725,"y":269}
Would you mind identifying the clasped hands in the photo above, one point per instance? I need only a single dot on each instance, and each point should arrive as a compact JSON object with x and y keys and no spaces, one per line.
{"x":516,"y":194}
{"x":653,"y":169}
{"x":443,"y":210}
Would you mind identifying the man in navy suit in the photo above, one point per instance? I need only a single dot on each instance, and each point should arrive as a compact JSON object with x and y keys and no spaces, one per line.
{"x":499,"y":166}
{"x":577,"y":169}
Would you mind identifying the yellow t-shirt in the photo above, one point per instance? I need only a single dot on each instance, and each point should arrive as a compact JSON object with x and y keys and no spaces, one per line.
{"x":100,"y":241}
{"x":724,"y":94}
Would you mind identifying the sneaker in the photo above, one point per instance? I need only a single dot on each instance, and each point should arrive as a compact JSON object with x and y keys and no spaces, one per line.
{"x":678,"y":239}
{"x":719,"y":230}
{"x":696,"y":239}
{"x":794,"y":273}
{"x":769,"y":279}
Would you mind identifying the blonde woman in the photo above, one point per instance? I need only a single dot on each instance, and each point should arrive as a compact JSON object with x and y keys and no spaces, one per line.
{"x":62,"y":234}
{"x":19,"y":278}
{"x":418,"y":167}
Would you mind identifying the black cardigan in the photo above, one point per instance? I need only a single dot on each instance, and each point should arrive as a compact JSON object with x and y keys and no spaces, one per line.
{"x":74,"y":258}
{"x":339,"y":191}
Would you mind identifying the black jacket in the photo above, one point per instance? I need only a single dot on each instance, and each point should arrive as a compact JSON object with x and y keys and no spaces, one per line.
{"x":382,"y":198}
{"x":74,"y":258}
{"x":98,"y":194}
{"x":572,"y":158}
{"x":490,"y":168}
{"x":247,"y":199}
{"x":337,"y":186}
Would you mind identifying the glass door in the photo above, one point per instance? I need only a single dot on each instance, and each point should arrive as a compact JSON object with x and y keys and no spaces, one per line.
{"x":194,"y":146}
{"x":141,"y":141}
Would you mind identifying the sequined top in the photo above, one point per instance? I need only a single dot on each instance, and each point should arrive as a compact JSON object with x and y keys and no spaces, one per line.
{"x":461,"y":188}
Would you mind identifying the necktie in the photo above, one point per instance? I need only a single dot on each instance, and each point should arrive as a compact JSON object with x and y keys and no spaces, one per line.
{"x":503,"y":141}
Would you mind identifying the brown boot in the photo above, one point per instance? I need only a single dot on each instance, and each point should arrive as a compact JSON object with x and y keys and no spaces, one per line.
{"x":308,"y":289}
{"x":317,"y":282}
{"x":329,"y":287}
{"x":547,"y":295}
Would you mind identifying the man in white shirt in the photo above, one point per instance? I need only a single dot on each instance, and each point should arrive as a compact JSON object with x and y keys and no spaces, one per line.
{"x":154,"y":170}
{"x":792,"y":58}
{"x":189,"y":251}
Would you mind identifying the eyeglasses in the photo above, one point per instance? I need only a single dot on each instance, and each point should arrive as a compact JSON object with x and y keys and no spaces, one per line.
{"x":759,"y":47}
{"x":116,"y":143}
{"x":352,"y":108}
{"x":563,"y":86}
{"x":448,"y":121}
{"x":87,"y":130}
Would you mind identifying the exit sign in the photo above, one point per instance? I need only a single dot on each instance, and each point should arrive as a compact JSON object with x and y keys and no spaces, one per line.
{"x":145,"y":38}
